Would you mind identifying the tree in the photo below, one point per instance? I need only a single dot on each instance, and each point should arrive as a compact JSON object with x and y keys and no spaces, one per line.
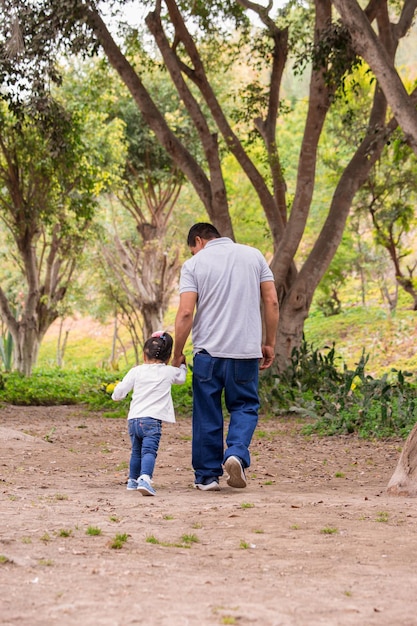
{"x":114,"y":301}
{"x":385,"y":203}
{"x":142,"y":263}
{"x":403,"y":482}
{"x":326,"y":45}
{"x":389,"y":198}
{"x":136,"y":244}
{"x":366,"y":43}
{"x":183,"y":61}
{"x":47,"y":197}
{"x":145,"y":262}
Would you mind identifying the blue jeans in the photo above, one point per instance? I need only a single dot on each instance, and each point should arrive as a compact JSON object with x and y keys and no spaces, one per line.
{"x":239,"y":380}
{"x":145,"y":434}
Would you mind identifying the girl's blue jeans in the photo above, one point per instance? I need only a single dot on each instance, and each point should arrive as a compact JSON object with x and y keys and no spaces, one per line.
{"x":239,"y":380}
{"x":145,"y":434}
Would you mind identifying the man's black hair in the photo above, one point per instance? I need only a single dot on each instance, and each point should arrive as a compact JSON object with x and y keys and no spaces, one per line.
{"x":203,"y":230}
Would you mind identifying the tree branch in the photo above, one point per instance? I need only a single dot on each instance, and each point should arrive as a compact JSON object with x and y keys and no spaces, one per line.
{"x":153,"y":117}
{"x":368,"y":46}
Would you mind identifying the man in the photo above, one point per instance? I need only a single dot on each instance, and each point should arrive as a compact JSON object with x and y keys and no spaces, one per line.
{"x":223,"y":284}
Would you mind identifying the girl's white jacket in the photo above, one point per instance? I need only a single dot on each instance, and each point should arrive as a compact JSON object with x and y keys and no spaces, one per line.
{"x":151,"y":385}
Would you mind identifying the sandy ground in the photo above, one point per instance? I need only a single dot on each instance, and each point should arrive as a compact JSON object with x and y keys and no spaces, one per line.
{"x":313,"y":540}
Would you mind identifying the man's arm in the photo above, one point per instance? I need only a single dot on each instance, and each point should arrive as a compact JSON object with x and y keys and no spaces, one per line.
{"x":183,"y":325}
{"x":271,"y":317}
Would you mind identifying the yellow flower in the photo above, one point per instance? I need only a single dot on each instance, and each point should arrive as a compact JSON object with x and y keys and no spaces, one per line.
{"x":356,"y":382}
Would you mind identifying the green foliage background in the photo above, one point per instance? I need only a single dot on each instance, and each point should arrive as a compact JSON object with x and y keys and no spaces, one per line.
{"x":354,"y":375}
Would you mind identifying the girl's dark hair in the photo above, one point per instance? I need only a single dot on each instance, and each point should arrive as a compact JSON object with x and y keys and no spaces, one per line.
{"x":159,"y":347}
{"x":203,"y":230}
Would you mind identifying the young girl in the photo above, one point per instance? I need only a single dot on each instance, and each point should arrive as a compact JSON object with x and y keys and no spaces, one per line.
{"x":151,"y":405}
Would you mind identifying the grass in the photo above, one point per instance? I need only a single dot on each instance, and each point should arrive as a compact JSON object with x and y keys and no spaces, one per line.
{"x":330,"y":399}
{"x":48,"y":436}
{"x":89,"y":342}
{"x":189,"y":538}
{"x":152,"y":539}
{"x":185,"y":542}
{"x":118,"y":542}
{"x":4,"y":559}
{"x":60,"y":496}
{"x":49,"y":387}
{"x":262,"y":434}
{"x":329,"y":530}
{"x":93,"y":531}
{"x":386,"y":337}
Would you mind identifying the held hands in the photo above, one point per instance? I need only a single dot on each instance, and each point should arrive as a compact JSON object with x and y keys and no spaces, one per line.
{"x":268,"y":353}
{"x":178,"y":360}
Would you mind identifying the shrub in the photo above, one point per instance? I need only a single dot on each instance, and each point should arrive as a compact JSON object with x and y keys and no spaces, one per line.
{"x":92,"y":387}
{"x":342,"y":401}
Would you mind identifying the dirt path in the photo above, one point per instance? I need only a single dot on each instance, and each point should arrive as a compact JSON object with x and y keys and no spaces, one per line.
{"x":312,"y":541}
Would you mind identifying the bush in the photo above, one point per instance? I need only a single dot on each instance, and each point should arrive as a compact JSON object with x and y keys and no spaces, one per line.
{"x":342,"y":401}
{"x":48,"y":387}
{"x":92,"y":387}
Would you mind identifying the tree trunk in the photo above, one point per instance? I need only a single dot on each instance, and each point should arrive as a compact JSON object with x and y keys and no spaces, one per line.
{"x":404,"y":480}
{"x":153,"y":317}
{"x":114,"y":339}
{"x":61,"y":345}
{"x":26,"y":347}
{"x":293,"y":313}
{"x":29,"y":330}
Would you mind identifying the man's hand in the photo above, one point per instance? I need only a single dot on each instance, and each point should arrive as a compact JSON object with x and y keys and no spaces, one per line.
{"x":268,"y":357}
{"x":178,"y":360}
{"x":271,"y":317}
